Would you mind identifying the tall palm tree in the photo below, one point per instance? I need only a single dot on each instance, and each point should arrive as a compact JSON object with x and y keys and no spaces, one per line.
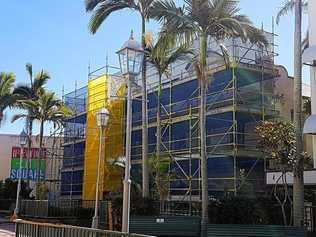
{"x":47,"y":108}
{"x":298,"y":181}
{"x":288,"y":7}
{"x":216,"y":19}
{"x":298,"y":172}
{"x":101,"y":10}
{"x":162,"y":55}
{"x":6,"y":88}
{"x":30,"y":92}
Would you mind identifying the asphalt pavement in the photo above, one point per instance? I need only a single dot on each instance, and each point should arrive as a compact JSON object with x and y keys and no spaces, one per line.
{"x":7,"y":228}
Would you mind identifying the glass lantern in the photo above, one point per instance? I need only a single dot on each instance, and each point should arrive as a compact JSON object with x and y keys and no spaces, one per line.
{"x":131,"y":57}
{"x":102,"y":117}
{"x":23,"y":138}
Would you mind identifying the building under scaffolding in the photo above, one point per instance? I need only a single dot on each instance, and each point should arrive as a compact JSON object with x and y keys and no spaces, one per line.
{"x":240,"y":95}
{"x":74,"y":145}
{"x":81,"y":137}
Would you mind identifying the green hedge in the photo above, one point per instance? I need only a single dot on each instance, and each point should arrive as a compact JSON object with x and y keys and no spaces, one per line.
{"x":242,"y":210}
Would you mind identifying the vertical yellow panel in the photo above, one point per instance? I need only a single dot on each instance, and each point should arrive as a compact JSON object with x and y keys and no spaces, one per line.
{"x":112,"y":141}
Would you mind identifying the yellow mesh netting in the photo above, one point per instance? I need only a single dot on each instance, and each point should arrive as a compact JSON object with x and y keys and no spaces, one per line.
{"x":112,"y":145}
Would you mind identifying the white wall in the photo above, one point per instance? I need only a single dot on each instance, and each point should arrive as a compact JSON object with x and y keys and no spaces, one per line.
{"x":309,"y":177}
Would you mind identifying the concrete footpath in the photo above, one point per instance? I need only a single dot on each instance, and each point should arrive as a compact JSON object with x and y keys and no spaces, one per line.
{"x":7,"y":228}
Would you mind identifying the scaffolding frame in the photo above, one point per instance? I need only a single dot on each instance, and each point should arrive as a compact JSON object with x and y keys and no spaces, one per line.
{"x":192,"y":152}
{"x":73,"y":137}
{"x":235,"y":104}
{"x":77,"y":130}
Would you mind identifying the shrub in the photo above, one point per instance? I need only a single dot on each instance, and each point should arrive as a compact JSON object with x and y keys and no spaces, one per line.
{"x":243,"y":210}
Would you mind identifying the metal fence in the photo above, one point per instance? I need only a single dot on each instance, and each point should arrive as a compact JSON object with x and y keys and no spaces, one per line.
{"x":58,"y":208}
{"x":34,"y":229}
{"x":74,"y":212}
{"x":180,"y":208}
{"x":310,"y":219}
{"x":7,"y":204}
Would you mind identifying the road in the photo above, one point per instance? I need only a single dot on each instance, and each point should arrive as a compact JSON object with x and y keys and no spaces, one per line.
{"x":6,"y":228}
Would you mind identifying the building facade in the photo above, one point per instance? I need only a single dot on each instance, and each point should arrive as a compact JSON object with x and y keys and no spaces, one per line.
{"x":244,"y":89}
{"x":45,"y":169}
{"x":241,"y":94}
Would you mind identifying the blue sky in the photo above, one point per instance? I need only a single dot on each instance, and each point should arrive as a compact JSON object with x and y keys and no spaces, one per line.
{"x":53,"y":35}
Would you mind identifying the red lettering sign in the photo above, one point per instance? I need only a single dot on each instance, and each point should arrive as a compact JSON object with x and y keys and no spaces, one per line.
{"x":35,"y":152}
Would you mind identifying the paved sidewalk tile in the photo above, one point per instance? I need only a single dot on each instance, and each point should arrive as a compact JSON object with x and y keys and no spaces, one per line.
{"x":4,"y":233}
{"x":7,"y":229}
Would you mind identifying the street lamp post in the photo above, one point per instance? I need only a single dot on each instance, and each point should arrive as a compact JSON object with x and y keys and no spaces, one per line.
{"x":23,"y":140}
{"x":102,"y":120}
{"x":131,"y":58}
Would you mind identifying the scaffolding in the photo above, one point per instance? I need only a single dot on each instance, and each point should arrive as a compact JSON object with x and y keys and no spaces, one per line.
{"x":239,"y":96}
{"x":81,"y":136}
{"x":100,"y":91}
{"x":54,"y":158}
{"x":74,"y":144}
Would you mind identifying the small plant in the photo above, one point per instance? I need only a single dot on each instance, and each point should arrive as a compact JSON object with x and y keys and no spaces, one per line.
{"x":160,"y":170}
{"x":278,"y":143}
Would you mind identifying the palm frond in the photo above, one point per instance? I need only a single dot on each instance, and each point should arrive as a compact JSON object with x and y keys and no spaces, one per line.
{"x":91,"y":4}
{"x":40,"y":80}
{"x":170,"y":15}
{"x":6,"y":83}
{"x":287,"y":7}
{"x":256,"y":36}
{"x":165,"y":10}
{"x":144,"y":7}
{"x":7,"y":99}
{"x":104,"y":9}
{"x":29,"y":69}
{"x":305,"y":42}
{"x":174,"y":21}
{"x":164,"y":52}
{"x":181,"y":53}
{"x":18,"y":117}
{"x":23,"y":91}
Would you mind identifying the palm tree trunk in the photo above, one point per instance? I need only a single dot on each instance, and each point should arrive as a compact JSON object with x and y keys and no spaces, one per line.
{"x":204,"y":176}
{"x":158,"y":130}
{"x":145,"y":173}
{"x":40,"y":157}
{"x":29,"y":128}
{"x":1,"y":117}
{"x":298,"y":182}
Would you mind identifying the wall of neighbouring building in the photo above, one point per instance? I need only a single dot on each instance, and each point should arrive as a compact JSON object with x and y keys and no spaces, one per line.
{"x":284,"y":86}
{"x":9,"y":155}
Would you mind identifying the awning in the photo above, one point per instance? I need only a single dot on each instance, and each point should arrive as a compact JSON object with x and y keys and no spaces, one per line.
{"x":310,"y":125}
{"x":309,"y":55}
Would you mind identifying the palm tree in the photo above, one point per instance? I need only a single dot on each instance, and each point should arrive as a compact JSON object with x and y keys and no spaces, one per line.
{"x":101,"y":10}
{"x":288,"y":7}
{"x":162,"y":55}
{"x":30,"y":92}
{"x":6,"y":87}
{"x":47,"y":108}
{"x":216,"y":19}
{"x":298,"y":172}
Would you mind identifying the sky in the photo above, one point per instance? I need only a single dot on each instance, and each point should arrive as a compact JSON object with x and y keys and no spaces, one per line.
{"x":53,"y":35}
